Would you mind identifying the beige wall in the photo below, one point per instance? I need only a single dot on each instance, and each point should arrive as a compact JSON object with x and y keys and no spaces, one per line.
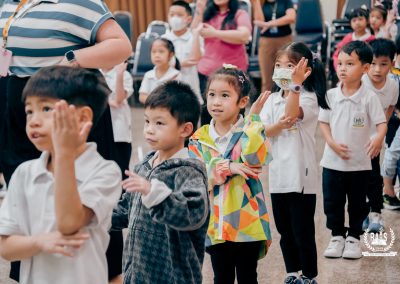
{"x":329,"y":8}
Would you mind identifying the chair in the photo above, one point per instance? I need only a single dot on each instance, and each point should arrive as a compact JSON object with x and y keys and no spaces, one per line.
{"x":309,"y":24}
{"x":254,"y":65}
{"x":124,"y":19}
{"x":157,"y":27}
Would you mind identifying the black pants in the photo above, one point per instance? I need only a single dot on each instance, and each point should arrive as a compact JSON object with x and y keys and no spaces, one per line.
{"x":294,"y":220}
{"x":375,"y":187}
{"x":229,"y":257}
{"x":337,"y":186}
{"x":16,"y":148}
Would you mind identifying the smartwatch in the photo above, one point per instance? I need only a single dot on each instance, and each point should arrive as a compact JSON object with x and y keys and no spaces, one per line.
{"x":295,"y":88}
{"x":70,"y":55}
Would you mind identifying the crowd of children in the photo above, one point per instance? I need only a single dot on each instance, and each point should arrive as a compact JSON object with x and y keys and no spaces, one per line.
{"x":199,"y":189}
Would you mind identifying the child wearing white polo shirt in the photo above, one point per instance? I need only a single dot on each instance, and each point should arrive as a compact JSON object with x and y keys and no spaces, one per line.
{"x":387,"y":89}
{"x":354,"y":111}
{"x":186,"y":43}
{"x":57,"y":212}
{"x":290,"y":117}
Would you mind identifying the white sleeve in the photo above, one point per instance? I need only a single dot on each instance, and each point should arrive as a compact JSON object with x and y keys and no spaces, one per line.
{"x":145,"y":85}
{"x":395,"y":93}
{"x":128,"y":83}
{"x":12,"y":205}
{"x":375,"y":110}
{"x":266,"y":112}
{"x":102,"y":192}
{"x":309,"y":105}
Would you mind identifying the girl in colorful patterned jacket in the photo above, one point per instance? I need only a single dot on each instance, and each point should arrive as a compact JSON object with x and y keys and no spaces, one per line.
{"x":234,"y":150}
{"x":291,"y":116}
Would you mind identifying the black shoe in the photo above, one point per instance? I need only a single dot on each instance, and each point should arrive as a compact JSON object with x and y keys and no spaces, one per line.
{"x":390,"y":202}
{"x":293,"y":280}
{"x":307,"y":280}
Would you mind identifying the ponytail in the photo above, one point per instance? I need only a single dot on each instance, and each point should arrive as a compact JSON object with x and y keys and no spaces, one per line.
{"x":316,"y":82}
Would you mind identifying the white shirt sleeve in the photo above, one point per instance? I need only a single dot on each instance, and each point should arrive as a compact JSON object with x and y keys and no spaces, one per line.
{"x":396,"y":93}
{"x":101,"y":192}
{"x":266,"y":112}
{"x":375,"y":110}
{"x":128,"y":83}
{"x":309,"y":105}
{"x":145,"y":85}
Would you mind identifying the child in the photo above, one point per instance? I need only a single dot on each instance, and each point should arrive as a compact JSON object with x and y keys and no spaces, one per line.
{"x":186,"y":43}
{"x":162,"y":51}
{"x":234,"y":150}
{"x":290,"y":117}
{"x":354,"y":112}
{"x":57,"y":212}
{"x":120,"y":82}
{"x":382,"y":22}
{"x":166,"y":206}
{"x":359,"y":23}
{"x":387,"y":89}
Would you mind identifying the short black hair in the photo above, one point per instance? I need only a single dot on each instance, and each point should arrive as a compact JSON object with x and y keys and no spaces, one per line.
{"x":183,"y":4}
{"x":362,"y":49}
{"x":383,"y":47}
{"x":77,"y":86}
{"x":359,"y":12}
{"x":398,"y":44}
{"x":179,"y":99}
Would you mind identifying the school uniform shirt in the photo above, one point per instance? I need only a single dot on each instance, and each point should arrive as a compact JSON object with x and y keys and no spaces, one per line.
{"x":388,"y":94}
{"x":294,"y":165}
{"x":150,"y":80}
{"x":183,"y":48}
{"x":120,"y":116}
{"x":351,"y":120}
{"x":28,"y":210}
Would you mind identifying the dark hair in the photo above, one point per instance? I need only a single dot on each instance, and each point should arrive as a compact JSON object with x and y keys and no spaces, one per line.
{"x":183,"y":4}
{"x":179,"y":99}
{"x":398,"y":44}
{"x":170,"y":47}
{"x":359,"y":12}
{"x":78,"y":86}
{"x":383,"y":47}
{"x":229,"y":22}
{"x":381,"y":10}
{"x":235,"y":77}
{"x":362,"y":49}
{"x":316,"y":82}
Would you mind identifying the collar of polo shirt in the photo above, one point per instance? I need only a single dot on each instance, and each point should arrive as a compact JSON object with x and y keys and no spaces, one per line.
{"x":356,"y":98}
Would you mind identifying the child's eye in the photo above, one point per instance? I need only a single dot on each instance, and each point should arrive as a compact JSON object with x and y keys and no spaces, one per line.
{"x":47,"y":109}
{"x":28,"y":112}
{"x":277,"y":65}
{"x":290,"y":65}
{"x":211,"y":94}
{"x":147,"y":121}
{"x":225,"y":95}
{"x":159,"y":123}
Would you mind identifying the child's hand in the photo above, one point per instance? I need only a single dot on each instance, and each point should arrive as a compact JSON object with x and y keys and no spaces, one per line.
{"x":243,"y":170}
{"x":259,"y":103}
{"x":121,"y":68}
{"x":374,"y":147}
{"x":286,"y":122}
{"x":55,"y":242}
{"x":301,"y":72}
{"x":66,"y":133}
{"x":342,"y":150}
{"x":136,"y":183}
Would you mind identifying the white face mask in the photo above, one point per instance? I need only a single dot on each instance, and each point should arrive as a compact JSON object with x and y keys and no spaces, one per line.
{"x":282,"y":77}
{"x":177,"y":23}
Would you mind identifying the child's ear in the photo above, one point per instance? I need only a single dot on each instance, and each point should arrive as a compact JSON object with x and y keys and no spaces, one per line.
{"x":244,"y":101}
{"x":186,"y":129}
{"x":366,"y":68}
{"x":85,"y":114}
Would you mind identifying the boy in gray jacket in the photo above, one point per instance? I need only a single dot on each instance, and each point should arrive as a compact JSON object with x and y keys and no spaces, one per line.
{"x":165,"y":206}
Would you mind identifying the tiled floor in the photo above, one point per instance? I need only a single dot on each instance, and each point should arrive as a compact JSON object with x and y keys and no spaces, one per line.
{"x":271,"y":269}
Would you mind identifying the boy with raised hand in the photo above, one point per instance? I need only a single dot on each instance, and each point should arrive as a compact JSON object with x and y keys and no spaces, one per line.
{"x":166,"y":207}
{"x":57,"y":212}
{"x":354,"y":112}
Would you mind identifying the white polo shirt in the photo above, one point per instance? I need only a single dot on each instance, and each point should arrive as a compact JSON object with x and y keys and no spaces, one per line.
{"x":183,"y":47}
{"x":150,"y":80}
{"x":294,"y":165}
{"x":351,"y":120}
{"x":120,"y":116}
{"x":28,"y":210}
{"x":388,"y":94}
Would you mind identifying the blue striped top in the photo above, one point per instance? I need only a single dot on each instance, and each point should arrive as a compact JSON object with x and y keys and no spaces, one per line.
{"x":42,"y":34}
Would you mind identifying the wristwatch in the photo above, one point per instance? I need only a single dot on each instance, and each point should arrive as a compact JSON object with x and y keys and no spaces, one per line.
{"x":70,"y":55}
{"x":295,"y":88}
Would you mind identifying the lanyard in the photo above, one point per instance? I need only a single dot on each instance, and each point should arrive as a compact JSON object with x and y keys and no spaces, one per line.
{"x":8,"y":23}
{"x":274,"y":10}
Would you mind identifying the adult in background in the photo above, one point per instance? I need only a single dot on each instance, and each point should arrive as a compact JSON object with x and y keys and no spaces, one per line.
{"x":274,"y":18}
{"x":226,"y":30}
{"x":45,"y":33}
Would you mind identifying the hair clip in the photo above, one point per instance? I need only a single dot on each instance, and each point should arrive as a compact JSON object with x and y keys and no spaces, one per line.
{"x":241,"y":79}
{"x":229,"y":66}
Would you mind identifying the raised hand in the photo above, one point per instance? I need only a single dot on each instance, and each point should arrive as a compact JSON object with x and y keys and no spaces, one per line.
{"x":301,"y":72}
{"x":135,"y":183}
{"x":257,"y":106}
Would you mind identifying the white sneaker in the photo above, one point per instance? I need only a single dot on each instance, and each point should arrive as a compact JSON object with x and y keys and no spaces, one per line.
{"x":352,"y":249}
{"x":335,"y":247}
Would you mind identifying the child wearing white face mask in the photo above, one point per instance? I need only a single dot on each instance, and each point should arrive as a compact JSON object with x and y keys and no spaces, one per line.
{"x":186,"y":43}
{"x":290,"y":117}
